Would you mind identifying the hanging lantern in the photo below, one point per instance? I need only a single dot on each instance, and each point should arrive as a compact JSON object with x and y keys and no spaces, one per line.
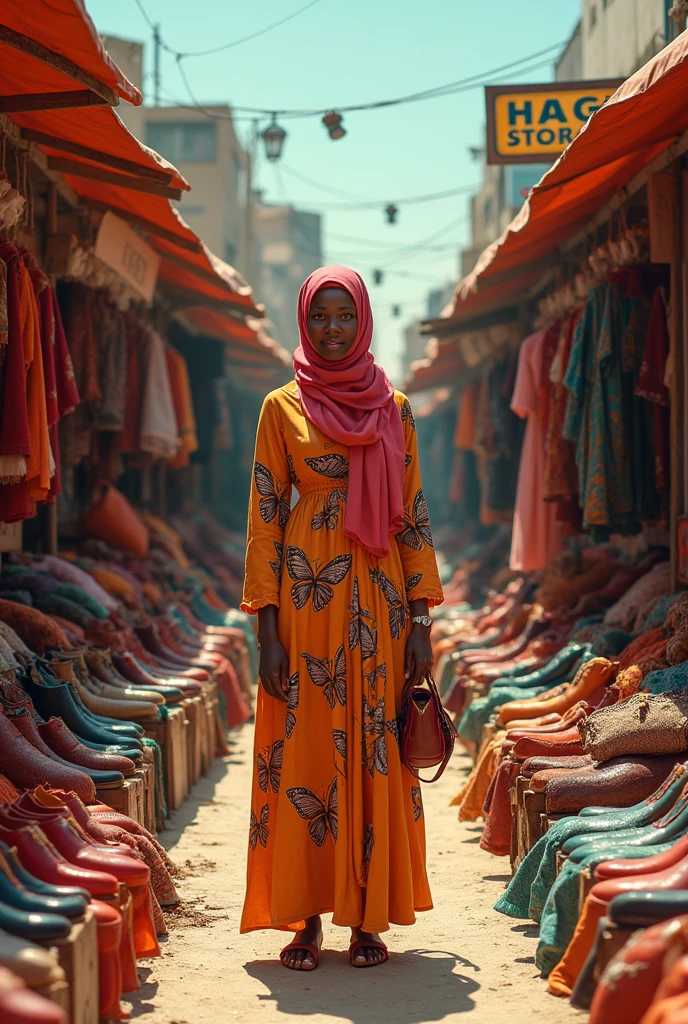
{"x":396,"y":311}
{"x":333,"y":123}
{"x":274,"y":137}
{"x":391,"y":212}
{"x":378,"y":276}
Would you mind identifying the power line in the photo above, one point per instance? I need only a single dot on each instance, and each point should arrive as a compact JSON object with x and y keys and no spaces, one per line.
{"x":442,"y":90}
{"x":225,"y":46}
{"x":451,"y":89}
{"x":367,"y":204}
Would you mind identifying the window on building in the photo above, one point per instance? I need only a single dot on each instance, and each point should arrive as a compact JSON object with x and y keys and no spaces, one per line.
{"x":593,"y":16}
{"x":183,"y":141}
{"x":230,"y":252}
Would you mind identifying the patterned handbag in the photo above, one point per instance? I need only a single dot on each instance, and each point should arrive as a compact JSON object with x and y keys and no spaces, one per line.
{"x":426,"y":732}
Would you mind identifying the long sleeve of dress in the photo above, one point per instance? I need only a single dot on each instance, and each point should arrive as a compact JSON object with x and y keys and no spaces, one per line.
{"x":415,"y":538}
{"x":268,"y":512}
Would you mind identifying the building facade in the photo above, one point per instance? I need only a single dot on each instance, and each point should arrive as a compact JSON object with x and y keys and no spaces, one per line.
{"x":619,"y":36}
{"x":288,"y":247}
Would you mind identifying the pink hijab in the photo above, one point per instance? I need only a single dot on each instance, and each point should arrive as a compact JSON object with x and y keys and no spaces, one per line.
{"x":352,"y":402}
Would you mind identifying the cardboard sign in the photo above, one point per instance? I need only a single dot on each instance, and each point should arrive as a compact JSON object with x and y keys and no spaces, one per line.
{"x":529,"y":124}
{"x":125,"y":252}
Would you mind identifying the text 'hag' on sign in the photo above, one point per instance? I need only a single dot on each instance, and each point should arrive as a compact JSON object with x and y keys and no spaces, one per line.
{"x":535,"y":123}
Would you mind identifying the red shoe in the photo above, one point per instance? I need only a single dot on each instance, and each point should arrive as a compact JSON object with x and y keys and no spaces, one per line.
{"x":41,"y":859}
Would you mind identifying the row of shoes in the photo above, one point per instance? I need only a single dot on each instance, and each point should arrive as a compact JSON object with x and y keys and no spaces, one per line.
{"x":55,"y":874}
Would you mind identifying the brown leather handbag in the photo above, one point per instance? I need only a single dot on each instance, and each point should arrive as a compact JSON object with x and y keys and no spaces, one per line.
{"x":426,"y":732}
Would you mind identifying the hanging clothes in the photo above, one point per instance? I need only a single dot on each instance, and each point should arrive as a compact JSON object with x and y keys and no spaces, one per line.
{"x":183,"y":407}
{"x":159,"y":436}
{"x":652,"y":388}
{"x":536,"y":537}
{"x":561,"y":478}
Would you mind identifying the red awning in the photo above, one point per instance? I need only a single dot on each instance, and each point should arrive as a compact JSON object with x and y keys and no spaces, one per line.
{"x":644,"y":116}
{"x":62,"y":41}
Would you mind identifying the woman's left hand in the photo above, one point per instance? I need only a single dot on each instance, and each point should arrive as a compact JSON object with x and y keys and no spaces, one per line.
{"x":419,"y":660}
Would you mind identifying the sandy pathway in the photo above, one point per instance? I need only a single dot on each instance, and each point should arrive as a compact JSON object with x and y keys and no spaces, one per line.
{"x":462,"y":958}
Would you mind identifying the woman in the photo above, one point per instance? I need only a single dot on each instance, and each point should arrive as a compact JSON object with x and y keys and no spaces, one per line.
{"x":341,"y":585}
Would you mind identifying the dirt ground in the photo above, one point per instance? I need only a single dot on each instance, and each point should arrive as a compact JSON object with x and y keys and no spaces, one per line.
{"x":461,"y":961}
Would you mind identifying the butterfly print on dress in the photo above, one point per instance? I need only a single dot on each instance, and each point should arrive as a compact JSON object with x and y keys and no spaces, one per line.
{"x":321,"y":815}
{"x":293,"y":479}
{"x":329,"y":514}
{"x":259,"y":830}
{"x":330,"y":675}
{"x":368,"y":844}
{"x":277,"y":566}
{"x":335,"y":466}
{"x":273,"y":493}
{"x":339,"y":740}
{"x":316,"y":585}
{"x":407,"y":414}
{"x":359,"y":630}
{"x":371,"y":678}
{"x":292,"y":703}
{"x":417,"y":803}
{"x":413,"y":581}
{"x":416,"y":527}
{"x":374,"y":737}
{"x":269,"y":766}
{"x":398,"y":616}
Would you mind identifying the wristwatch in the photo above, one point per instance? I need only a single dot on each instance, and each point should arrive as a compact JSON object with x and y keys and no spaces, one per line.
{"x":422,"y":620}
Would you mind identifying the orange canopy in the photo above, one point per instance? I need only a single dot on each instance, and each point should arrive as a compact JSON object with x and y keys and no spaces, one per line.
{"x":644,"y":116}
{"x":63,"y":33}
{"x":53,"y":62}
{"x":245,"y":339}
{"x":443,"y":363}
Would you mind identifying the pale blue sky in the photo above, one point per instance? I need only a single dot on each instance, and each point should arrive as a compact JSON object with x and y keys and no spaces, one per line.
{"x":336,"y":54}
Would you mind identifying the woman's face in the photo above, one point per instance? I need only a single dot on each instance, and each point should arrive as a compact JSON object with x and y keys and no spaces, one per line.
{"x":332,"y":323}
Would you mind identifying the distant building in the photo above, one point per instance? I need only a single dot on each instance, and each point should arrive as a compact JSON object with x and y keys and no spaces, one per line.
{"x":207,"y":152}
{"x":204,"y":147}
{"x":288,"y":247}
{"x":569,"y":66}
{"x":414,"y":342}
{"x":619,"y":36}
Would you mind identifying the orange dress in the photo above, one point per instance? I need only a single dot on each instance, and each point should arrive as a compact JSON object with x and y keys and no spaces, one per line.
{"x":336,"y":818}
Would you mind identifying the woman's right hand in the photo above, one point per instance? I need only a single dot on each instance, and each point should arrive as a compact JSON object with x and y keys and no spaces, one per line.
{"x":273,"y":670}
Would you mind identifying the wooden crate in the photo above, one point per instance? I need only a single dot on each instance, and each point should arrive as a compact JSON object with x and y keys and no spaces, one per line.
{"x":170,"y":735}
{"x":192,"y":710}
{"x":57,"y":993}
{"x":124,"y":798}
{"x":78,"y":958}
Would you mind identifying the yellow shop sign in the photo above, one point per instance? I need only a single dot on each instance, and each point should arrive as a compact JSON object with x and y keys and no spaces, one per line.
{"x":530,"y":124}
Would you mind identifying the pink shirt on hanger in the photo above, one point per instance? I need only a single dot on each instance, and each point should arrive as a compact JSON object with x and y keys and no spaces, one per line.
{"x":536,"y":536}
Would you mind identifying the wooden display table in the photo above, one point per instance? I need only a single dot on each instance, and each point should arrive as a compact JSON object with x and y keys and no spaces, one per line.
{"x":78,"y":958}
{"x":125,"y":798}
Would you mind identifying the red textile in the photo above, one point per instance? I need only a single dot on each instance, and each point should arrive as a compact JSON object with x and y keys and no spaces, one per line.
{"x":352,"y":402}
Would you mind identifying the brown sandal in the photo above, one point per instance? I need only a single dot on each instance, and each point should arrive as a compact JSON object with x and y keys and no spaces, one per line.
{"x":306,"y":947}
{"x":367,"y":944}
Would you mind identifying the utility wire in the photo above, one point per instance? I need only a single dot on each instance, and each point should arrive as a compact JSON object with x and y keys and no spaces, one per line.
{"x":462,"y":85}
{"x":226,"y":46}
{"x":441,"y":90}
{"x":374,"y":203}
